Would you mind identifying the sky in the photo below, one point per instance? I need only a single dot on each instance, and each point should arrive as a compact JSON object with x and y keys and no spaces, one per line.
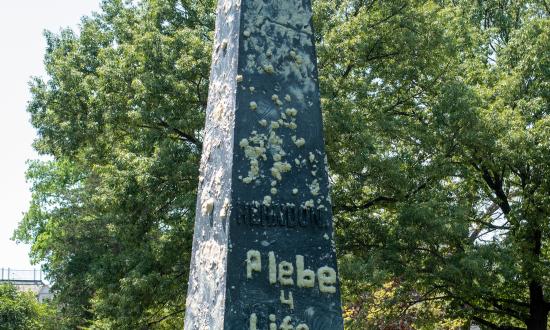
{"x":22,"y":46}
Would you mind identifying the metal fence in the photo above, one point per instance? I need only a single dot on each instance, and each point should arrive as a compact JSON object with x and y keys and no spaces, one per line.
{"x":19,"y":275}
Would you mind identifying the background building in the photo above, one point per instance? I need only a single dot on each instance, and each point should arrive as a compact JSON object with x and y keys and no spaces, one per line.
{"x":27,"y":280}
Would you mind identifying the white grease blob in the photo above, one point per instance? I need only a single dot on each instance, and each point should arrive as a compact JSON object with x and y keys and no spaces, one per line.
{"x":272,"y":268}
{"x":305,"y":278}
{"x":286,"y":269}
{"x":253,"y":322}
{"x":225,"y":208}
{"x":314,"y":187}
{"x":327,"y":279}
{"x":207,"y":207}
{"x":253,"y":262}
{"x":287,"y":301}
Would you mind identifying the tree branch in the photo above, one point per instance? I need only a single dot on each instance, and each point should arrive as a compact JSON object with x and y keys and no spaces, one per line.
{"x":387,"y":18}
{"x":368,"y":204}
{"x":165,"y":317}
{"x":517,"y":314}
{"x":495,"y":182}
{"x":493,"y":325}
{"x":184,"y":136}
{"x":481,"y":310}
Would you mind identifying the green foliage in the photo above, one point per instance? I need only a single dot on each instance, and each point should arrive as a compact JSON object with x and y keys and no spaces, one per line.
{"x":21,"y":311}
{"x":120,"y":119}
{"x":437,"y":125}
{"x":438,"y":138}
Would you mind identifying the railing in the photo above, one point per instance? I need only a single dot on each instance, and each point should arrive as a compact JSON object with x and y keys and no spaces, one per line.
{"x":20,"y":276}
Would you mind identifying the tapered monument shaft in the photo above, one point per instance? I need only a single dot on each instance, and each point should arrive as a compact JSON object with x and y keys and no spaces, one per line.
{"x":263,"y":253}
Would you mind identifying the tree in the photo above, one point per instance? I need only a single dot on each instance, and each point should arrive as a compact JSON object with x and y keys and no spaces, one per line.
{"x":21,"y":310}
{"x":437,"y":120}
{"x":437,"y":127}
{"x":120,"y":119}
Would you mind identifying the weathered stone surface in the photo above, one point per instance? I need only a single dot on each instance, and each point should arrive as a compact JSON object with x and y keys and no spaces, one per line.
{"x":263,"y":254}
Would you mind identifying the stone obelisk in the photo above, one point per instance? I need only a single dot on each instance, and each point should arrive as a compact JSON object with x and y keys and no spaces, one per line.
{"x":263,"y":249}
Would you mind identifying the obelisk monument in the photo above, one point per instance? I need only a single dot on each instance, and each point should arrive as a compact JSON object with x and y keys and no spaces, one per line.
{"x":263,"y":249}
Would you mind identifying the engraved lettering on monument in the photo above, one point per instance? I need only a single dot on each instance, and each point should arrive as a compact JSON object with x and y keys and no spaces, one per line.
{"x":263,"y":253}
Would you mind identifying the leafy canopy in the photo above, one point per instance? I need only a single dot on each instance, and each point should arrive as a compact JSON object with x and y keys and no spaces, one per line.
{"x":21,"y":311}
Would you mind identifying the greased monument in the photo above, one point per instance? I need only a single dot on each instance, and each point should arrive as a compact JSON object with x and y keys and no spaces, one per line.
{"x":263,"y":249}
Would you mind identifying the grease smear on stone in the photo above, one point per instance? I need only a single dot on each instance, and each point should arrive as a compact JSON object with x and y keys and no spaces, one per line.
{"x":207,"y":207}
{"x":284,"y":273}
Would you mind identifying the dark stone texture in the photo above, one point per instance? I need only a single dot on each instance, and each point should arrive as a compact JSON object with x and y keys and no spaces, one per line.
{"x":264,"y":184}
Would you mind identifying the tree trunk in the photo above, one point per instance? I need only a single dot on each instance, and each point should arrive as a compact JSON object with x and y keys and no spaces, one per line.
{"x":538,"y":308}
